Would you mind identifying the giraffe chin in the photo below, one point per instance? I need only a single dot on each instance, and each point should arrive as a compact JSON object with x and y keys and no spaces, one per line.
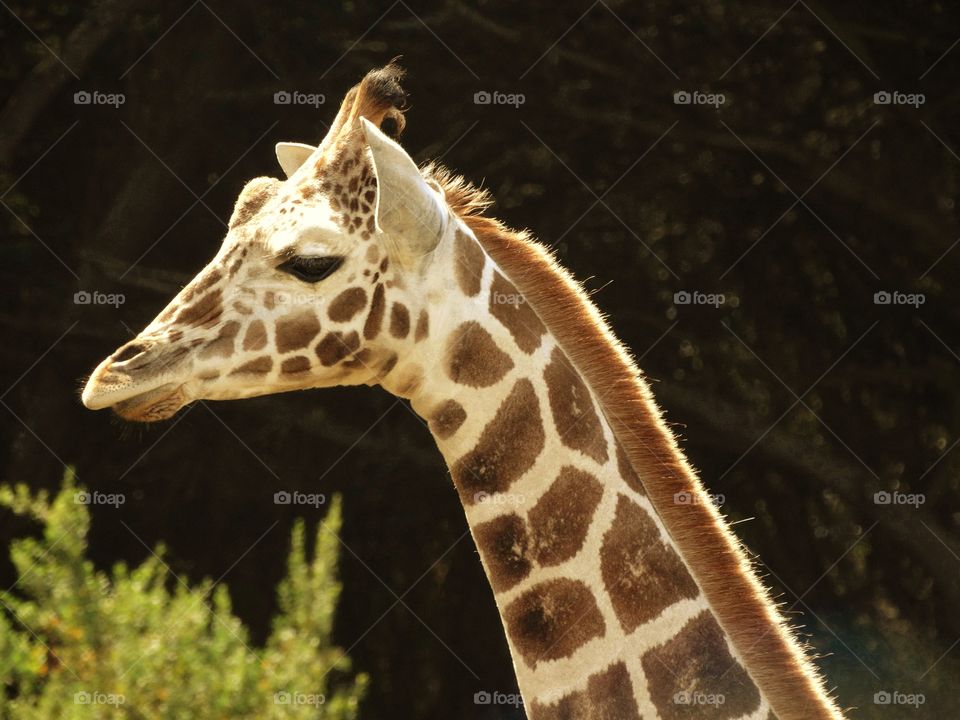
{"x":152,"y":406}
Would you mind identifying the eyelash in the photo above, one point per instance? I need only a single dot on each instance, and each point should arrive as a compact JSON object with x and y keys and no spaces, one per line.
{"x":311,"y":269}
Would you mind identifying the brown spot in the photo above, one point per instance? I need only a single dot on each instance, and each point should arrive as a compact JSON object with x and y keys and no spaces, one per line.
{"x":608,"y":696}
{"x":373,"y":254}
{"x":553,"y":620}
{"x":256,"y":336}
{"x":269,"y":300}
{"x":209,"y":375}
{"x":384,"y":264}
{"x":335,"y":346}
{"x":242,"y":309}
{"x":573,"y":413}
{"x":399,"y":320}
{"x":508,"y":446}
{"x":387,"y":366}
{"x":296,"y":330}
{"x":295,"y":365}
{"x":253,"y":197}
{"x":308,"y":191}
{"x":222,"y":345}
{"x":234,"y":267}
{"x":472,"y":357}
{"x":697,"y":661}
{"x":503,"y":545}
{"x":371,"y":328}
{"x":560,"y":519}
{"x":643,"y":576}
{"x":201,"y":284}
{"x":257,"y":366}
{"x":447,"y":419}
{"x":204,"y":312}
{"x":509,"y":307}
{"x":347,"y":304}
{"x":627,"y":472}
{"x":423,"y":326}
{"x":468,"y":262}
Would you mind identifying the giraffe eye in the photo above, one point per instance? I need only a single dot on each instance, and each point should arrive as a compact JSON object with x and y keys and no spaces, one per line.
{"x":311,"y":268}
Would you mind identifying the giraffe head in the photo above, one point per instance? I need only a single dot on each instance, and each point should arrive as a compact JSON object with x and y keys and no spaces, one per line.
{"x":316,"y":283}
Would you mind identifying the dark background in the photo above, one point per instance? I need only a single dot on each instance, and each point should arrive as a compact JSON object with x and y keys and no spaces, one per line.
{"x":798,"y":199}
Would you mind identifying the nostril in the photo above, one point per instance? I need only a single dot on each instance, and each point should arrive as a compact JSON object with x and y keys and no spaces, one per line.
{"x":129,"y":352}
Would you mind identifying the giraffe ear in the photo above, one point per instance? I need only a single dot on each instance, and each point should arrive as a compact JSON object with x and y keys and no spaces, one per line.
{"x":411,"y":214}
{"x":292,"y":155}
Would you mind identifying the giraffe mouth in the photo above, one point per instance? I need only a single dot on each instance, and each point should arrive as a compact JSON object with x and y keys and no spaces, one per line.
{"x":153,"y":405}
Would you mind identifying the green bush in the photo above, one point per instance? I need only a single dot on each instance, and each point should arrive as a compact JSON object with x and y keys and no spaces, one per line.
{"x":78,"y":643}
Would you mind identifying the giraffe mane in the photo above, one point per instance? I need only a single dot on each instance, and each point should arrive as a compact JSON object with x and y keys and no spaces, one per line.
{"x":776,"y":658}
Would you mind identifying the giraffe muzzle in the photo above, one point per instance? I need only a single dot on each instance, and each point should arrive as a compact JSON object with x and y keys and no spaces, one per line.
{"x":139,"y":382}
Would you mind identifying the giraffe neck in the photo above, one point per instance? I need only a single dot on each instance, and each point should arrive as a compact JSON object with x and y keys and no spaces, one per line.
{"x":602,"y":616}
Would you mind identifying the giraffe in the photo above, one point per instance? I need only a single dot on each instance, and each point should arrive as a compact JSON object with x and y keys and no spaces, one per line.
{"x":622,"y":591}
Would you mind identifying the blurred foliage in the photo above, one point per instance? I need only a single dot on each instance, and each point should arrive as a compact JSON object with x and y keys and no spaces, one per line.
{"x":140,"y":643}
